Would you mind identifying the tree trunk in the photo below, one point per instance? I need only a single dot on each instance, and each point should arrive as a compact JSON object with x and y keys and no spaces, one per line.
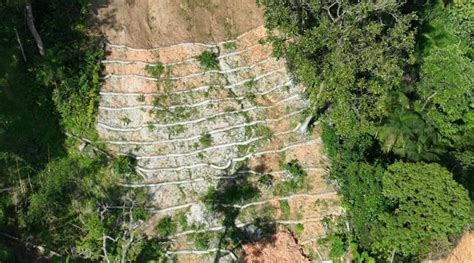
{"x":32,"y":28}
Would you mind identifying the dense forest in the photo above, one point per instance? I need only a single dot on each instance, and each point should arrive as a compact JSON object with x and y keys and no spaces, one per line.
{"x":390,"y":81}
{"x":59,"y":189}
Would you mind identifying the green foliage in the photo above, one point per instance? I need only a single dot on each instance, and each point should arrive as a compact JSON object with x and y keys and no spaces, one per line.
{"x":285,"y":209}
{"x":355,"y":84}
{"x":298,"y":229}
{"x":57,"y":197}
{"x":208,"y":60}
{"x":202,"y":240}
{"x":242,"y":191}
{"x":250,"y":84}
{"x":6,"y":254}
{"x":410,"y":228}
{"x":205,"y":140}
{"x":124,"y":165}
{"x":155,"y":70}
{"x":407,"y":135}
{"x":166,"y":227}
{"x":330,"y":140}
{"x":389,"y":80}
{"x":296,"y":181}
{"x":230,"y":45}
{"x":266,"y":180}
{"x":182,"y":220}
{"x":264,"y":131}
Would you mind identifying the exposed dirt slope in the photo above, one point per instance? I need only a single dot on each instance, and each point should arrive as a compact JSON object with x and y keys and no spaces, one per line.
{"x":193,"y":129}
{"x":158,"y":23}
{"x":281,"y":247}
{"x":462,"y":253}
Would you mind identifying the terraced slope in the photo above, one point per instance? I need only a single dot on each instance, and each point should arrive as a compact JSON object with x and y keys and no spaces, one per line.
{"x":225,"y":133}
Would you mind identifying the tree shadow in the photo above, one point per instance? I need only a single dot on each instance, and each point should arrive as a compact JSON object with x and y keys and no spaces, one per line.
{"x":106,"y":19}
{"x":225,"y":200}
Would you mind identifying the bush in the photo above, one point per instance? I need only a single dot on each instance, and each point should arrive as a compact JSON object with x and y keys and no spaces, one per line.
{"x":208,"y":60}
{"x":124,"y":165}
{"x":205,"y":140}
{"x":166,"y":227}
{"x":156,"y":70}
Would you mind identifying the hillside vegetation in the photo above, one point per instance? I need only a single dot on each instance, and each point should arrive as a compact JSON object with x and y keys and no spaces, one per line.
{"x":392,"y":83}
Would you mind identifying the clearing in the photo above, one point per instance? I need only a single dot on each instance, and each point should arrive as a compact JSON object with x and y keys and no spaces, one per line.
{"x":214,"y":122}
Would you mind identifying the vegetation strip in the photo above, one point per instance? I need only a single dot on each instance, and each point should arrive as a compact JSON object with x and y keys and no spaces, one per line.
{"x":190,"y":181}
{"x":229,"y":162}
{"x":198,"y":104}
{"x":156,"y":125}
{"x":214,"y":131}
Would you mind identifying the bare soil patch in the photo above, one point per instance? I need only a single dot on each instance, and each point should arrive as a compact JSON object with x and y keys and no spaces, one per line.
{"x":281,"y":247}
{"x":159,"y":23}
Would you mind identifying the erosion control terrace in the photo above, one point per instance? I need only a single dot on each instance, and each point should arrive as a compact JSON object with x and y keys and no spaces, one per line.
{"x":215,"y":127}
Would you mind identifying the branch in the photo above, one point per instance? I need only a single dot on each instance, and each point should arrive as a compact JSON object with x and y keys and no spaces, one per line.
{"x":104,"y":247}
{"x":428,"y":100}
{"x":21,"y":46}
{"x":31,"y":26}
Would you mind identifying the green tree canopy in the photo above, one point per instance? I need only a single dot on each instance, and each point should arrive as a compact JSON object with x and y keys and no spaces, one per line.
{"x":351,"y":55}
{"x":428,"y":208}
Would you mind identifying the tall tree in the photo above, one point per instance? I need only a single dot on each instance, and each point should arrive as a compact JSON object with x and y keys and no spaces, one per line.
{"x":428,"y":209}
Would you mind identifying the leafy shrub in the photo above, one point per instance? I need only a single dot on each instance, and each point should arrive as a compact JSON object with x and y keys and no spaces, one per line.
{"x":124,"y":165}
{"x":205,"y":140}
{"x":266,"y":180}
{"x":166,"y":227}
{"x":182,"y":220}
{"x":208,"y":60}
{"x":155,"y":70}
{"x":295,"y":183}
{"x":202,"y":240}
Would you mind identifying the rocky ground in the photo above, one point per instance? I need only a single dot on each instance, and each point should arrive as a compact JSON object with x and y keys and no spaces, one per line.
{"x":232,"y":132}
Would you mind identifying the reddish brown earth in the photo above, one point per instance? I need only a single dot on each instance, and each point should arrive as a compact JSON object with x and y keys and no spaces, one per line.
{"x":281,"y":247}
{"x":462,"y":253}
{"x":158,"y":23}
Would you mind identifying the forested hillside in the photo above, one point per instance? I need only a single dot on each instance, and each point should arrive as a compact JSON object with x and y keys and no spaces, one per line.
{"x":56,"y":188}
{"x":391,"y":83}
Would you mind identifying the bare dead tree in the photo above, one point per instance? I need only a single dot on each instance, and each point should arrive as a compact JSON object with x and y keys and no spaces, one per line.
{"x":31,"y":26}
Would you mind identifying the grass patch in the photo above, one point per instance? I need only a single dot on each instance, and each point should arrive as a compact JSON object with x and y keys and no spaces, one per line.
{"x":250,"y":84}
{"x":176,"y":130}
{"x":298,"y":229}
{"x":285,"y":209}
{"x":141,"y":98}
{"x":182,"y":220}
{"x":230,"y":45}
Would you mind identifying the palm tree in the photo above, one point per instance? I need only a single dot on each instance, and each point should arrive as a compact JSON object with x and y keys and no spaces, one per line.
{"x":407,"y":135}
